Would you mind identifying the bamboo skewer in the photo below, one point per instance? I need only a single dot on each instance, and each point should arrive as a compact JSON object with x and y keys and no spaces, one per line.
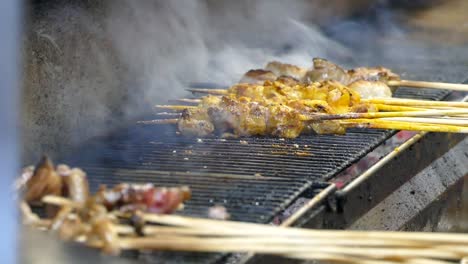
{"x":429,"y":125}
{"x":434,"y":85}
{"x":412,"y":102}
{"x":372,"y":120}
{"x":159,"y":121}
{"x":208,"y":91}
{"x":273,"y":238}
{"x":412,"y":112}
{"x":399,"y":108}
{"x":442,"y":121}
{"x":336,"y":258}
{"x":175,"y":107}
{"x":167,"y":114}
{"x":408,"y":83}
{"x":258,"y":229}
{"x":382,"y":107}
{"x":396,"y":125}
{"x":388,"y":114}
{"x":206,"y":235}
{"x":186,"y":100}
{"x":271,"y":247}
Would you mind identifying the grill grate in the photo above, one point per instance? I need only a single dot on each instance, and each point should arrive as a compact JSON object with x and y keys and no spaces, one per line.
{"x":254,"y":178}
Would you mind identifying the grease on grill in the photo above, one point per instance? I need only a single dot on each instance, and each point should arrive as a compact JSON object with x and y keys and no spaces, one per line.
{"x":294,"y":149}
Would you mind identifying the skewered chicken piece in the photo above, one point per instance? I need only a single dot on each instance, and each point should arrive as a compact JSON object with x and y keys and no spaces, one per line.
{"x":284,"y":69}
{"x":251,"y":109}
{"x":368,"y":82}
{"x":338,"y":97}
{"x":258,"y":76}
{"x":243,"y":116}
{"x":326,"y":70}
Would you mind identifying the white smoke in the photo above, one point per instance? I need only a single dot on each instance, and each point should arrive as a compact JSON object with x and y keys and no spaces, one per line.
{"x":167,"y":45}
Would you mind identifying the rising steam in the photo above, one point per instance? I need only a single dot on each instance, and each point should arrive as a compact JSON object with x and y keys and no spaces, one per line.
{"x":167,"y":45}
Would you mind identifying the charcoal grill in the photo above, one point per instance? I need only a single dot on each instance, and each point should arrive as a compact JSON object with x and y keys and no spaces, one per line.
{"x":254,"y":178}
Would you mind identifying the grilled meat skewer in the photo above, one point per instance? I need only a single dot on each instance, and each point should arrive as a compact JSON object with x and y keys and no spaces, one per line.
{"x":241,"y":116}
{"x":368,"y":82}
{"x":340,"y":98}
{"x":86,"y":217}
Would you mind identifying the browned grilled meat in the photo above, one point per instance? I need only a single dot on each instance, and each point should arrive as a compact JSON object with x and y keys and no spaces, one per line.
{"x":325,"y":70}
{"x":144,"y":197}
{"x":274,"y":114}
{"x":258,"y":76}
{"x":285,"y":69}
{"x":372,"y":74}
{"x":44,"y":181}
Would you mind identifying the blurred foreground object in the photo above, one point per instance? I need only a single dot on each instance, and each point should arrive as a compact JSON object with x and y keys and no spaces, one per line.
{"x":9,"y":62}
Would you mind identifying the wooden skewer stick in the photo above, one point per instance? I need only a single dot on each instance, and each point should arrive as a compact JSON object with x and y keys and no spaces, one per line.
{"x":201,"y":223}
{"x":264,"y":237}
{"x":430,"y":125}
{"x":271,"y":247}
{"x":167,"y":114}
{"x":158,"y":121}
{"x":129,"y":244}
{"x":336,"y":258}
{"x":288,"y":248}
{"x":442,"y":121}
{"x":381,"y":107}
{"x":176,"y":220}
{"x":407,"y":83}
{"x":397,"y":108}
{"x":426,"y":261}
{"x":378,"y":261}
{"x":208,"y":91}
{"x":175,"y":107}
{"x":412,"y":102}
{"x":387,"y":114}
{"x":435,"y":85}
{"x":186,"y":100}
{"x":395,"y":125}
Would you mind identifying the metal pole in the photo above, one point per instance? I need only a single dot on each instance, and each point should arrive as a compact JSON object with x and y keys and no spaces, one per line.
{"x":9,"y":132}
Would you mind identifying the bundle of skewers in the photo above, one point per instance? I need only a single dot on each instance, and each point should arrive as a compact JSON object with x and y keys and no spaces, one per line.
{"x":284,"y":100}
{"x":137,"y":217}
